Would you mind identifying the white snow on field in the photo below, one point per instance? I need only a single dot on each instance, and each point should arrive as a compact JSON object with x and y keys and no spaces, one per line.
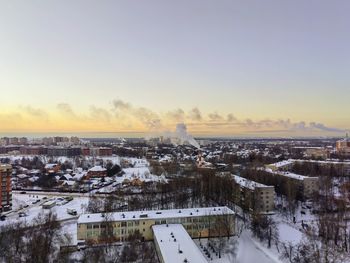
{"x":289,"y":234}
{"x":70,"y":228}
{"x":20,"y":201}
{"x":141,"y":173}
{"x":243,"y":250}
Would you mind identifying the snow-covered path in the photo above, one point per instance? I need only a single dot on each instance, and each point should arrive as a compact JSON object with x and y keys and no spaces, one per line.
{"x":249,"y":251}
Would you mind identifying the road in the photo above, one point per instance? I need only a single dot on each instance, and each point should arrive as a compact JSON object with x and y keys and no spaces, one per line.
{"x":250,"y":251}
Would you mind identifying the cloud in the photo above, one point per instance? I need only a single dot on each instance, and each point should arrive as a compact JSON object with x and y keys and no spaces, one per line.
{"x":124,"y":116}
{"x":121,"y":105}
{"x":177,"y":115}
{"x":144,"y":116}
{"x":65,"y":108}
{"x":215,"y":116}
{"x":195,"y":115}
{"x":230,"y":117}
{"x":100,"y":114}
{"x":35,"y":112}
{"x":323,"y":127}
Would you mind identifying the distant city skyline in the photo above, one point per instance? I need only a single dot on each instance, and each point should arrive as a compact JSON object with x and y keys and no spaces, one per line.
{"x":224,"y":68}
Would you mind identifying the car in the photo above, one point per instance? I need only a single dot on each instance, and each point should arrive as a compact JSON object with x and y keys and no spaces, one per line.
{"x":81,"y":246}
{"x":44,"y":197}
{"x":3,"y":218}
{"x":22,"y":214}
{"x":26,"y":206}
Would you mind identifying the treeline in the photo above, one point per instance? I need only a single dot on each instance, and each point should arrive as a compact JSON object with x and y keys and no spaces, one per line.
{"x":35,"y":243}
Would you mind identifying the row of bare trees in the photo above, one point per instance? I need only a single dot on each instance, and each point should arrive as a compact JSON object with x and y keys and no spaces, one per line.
{"x":36,"y":243}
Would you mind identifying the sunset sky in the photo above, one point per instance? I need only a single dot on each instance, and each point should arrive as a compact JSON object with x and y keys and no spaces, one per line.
{"x":223,"y":67}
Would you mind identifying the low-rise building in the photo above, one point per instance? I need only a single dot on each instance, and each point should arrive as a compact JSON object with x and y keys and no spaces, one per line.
{"x":198,"y":222}
{"x":97,"y":171}
{"x":173,"y":245}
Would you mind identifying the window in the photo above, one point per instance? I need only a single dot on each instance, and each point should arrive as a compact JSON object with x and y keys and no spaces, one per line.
{"x":123,"y":224}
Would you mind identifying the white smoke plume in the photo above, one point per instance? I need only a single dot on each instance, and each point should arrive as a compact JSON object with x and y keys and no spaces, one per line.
{"x":181,"y":136}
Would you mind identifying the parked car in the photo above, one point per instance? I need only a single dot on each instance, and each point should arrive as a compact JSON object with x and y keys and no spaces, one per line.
{"x":81,"y":246}
{"x":22,"y":214}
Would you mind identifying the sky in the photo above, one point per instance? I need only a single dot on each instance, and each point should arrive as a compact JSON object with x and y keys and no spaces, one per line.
{"x":224,"y":68}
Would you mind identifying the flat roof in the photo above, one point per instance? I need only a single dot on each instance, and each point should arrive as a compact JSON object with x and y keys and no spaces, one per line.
{"x":5,"y":167}
{"x":291,"y":161}
{"x":291,"y":175}
{"x":172,"y":239}
{"x":155,"y":214}
{"x":248,"y":183}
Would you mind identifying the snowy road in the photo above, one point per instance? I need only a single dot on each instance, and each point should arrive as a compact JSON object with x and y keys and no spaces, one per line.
{"x":249,"y":251}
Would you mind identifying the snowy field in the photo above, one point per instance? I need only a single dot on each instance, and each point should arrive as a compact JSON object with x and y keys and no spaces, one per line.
{"x":244,"y":249}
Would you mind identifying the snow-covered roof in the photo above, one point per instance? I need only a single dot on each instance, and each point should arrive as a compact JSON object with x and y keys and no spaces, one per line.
{"x":67,"y":177}
{"x":290,"y":175}
{"x":321,"y":162}
{"x":156,"y":214}
{"x":174,"y":238}
{"x":243,"y":182}
{"x":79,"y":176}
{"x":22,"y":176}
{"x":50,"y":165}
{"x":97,"y":169}
{"x":5,"y":166}
{"x":69,"y":183}
{"x":291,"y":161}
{"x":282,"y":163}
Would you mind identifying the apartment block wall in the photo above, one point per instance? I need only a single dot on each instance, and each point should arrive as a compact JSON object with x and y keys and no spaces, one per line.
{"x":5,"y":187}
{"x":196,"y":227}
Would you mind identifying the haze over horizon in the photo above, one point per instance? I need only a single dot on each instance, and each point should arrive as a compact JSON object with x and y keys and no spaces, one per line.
{"x":224,"y":68}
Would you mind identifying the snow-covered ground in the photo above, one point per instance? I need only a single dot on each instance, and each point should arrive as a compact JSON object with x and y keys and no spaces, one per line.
{"x":20,"y":201}
{"x":244,"y":249}
{"x":250,"y":251}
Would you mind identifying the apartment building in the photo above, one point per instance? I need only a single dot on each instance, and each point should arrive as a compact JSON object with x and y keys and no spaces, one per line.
{"x":5,"y":187}
{"x":343,"y":147}
{"x":198,"y":222}
{"x":306,"y":186}
{"x":63,"y":151}
{"x":254,"y":196}
{"x":101,"y":151}
{"x":33,"y":150}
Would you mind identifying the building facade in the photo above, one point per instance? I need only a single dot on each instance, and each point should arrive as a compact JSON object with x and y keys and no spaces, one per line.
{"x":117,"y":227}
{"x":254,"y":196}
{"x":343,"y":147}
{"x":5,"y":187}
